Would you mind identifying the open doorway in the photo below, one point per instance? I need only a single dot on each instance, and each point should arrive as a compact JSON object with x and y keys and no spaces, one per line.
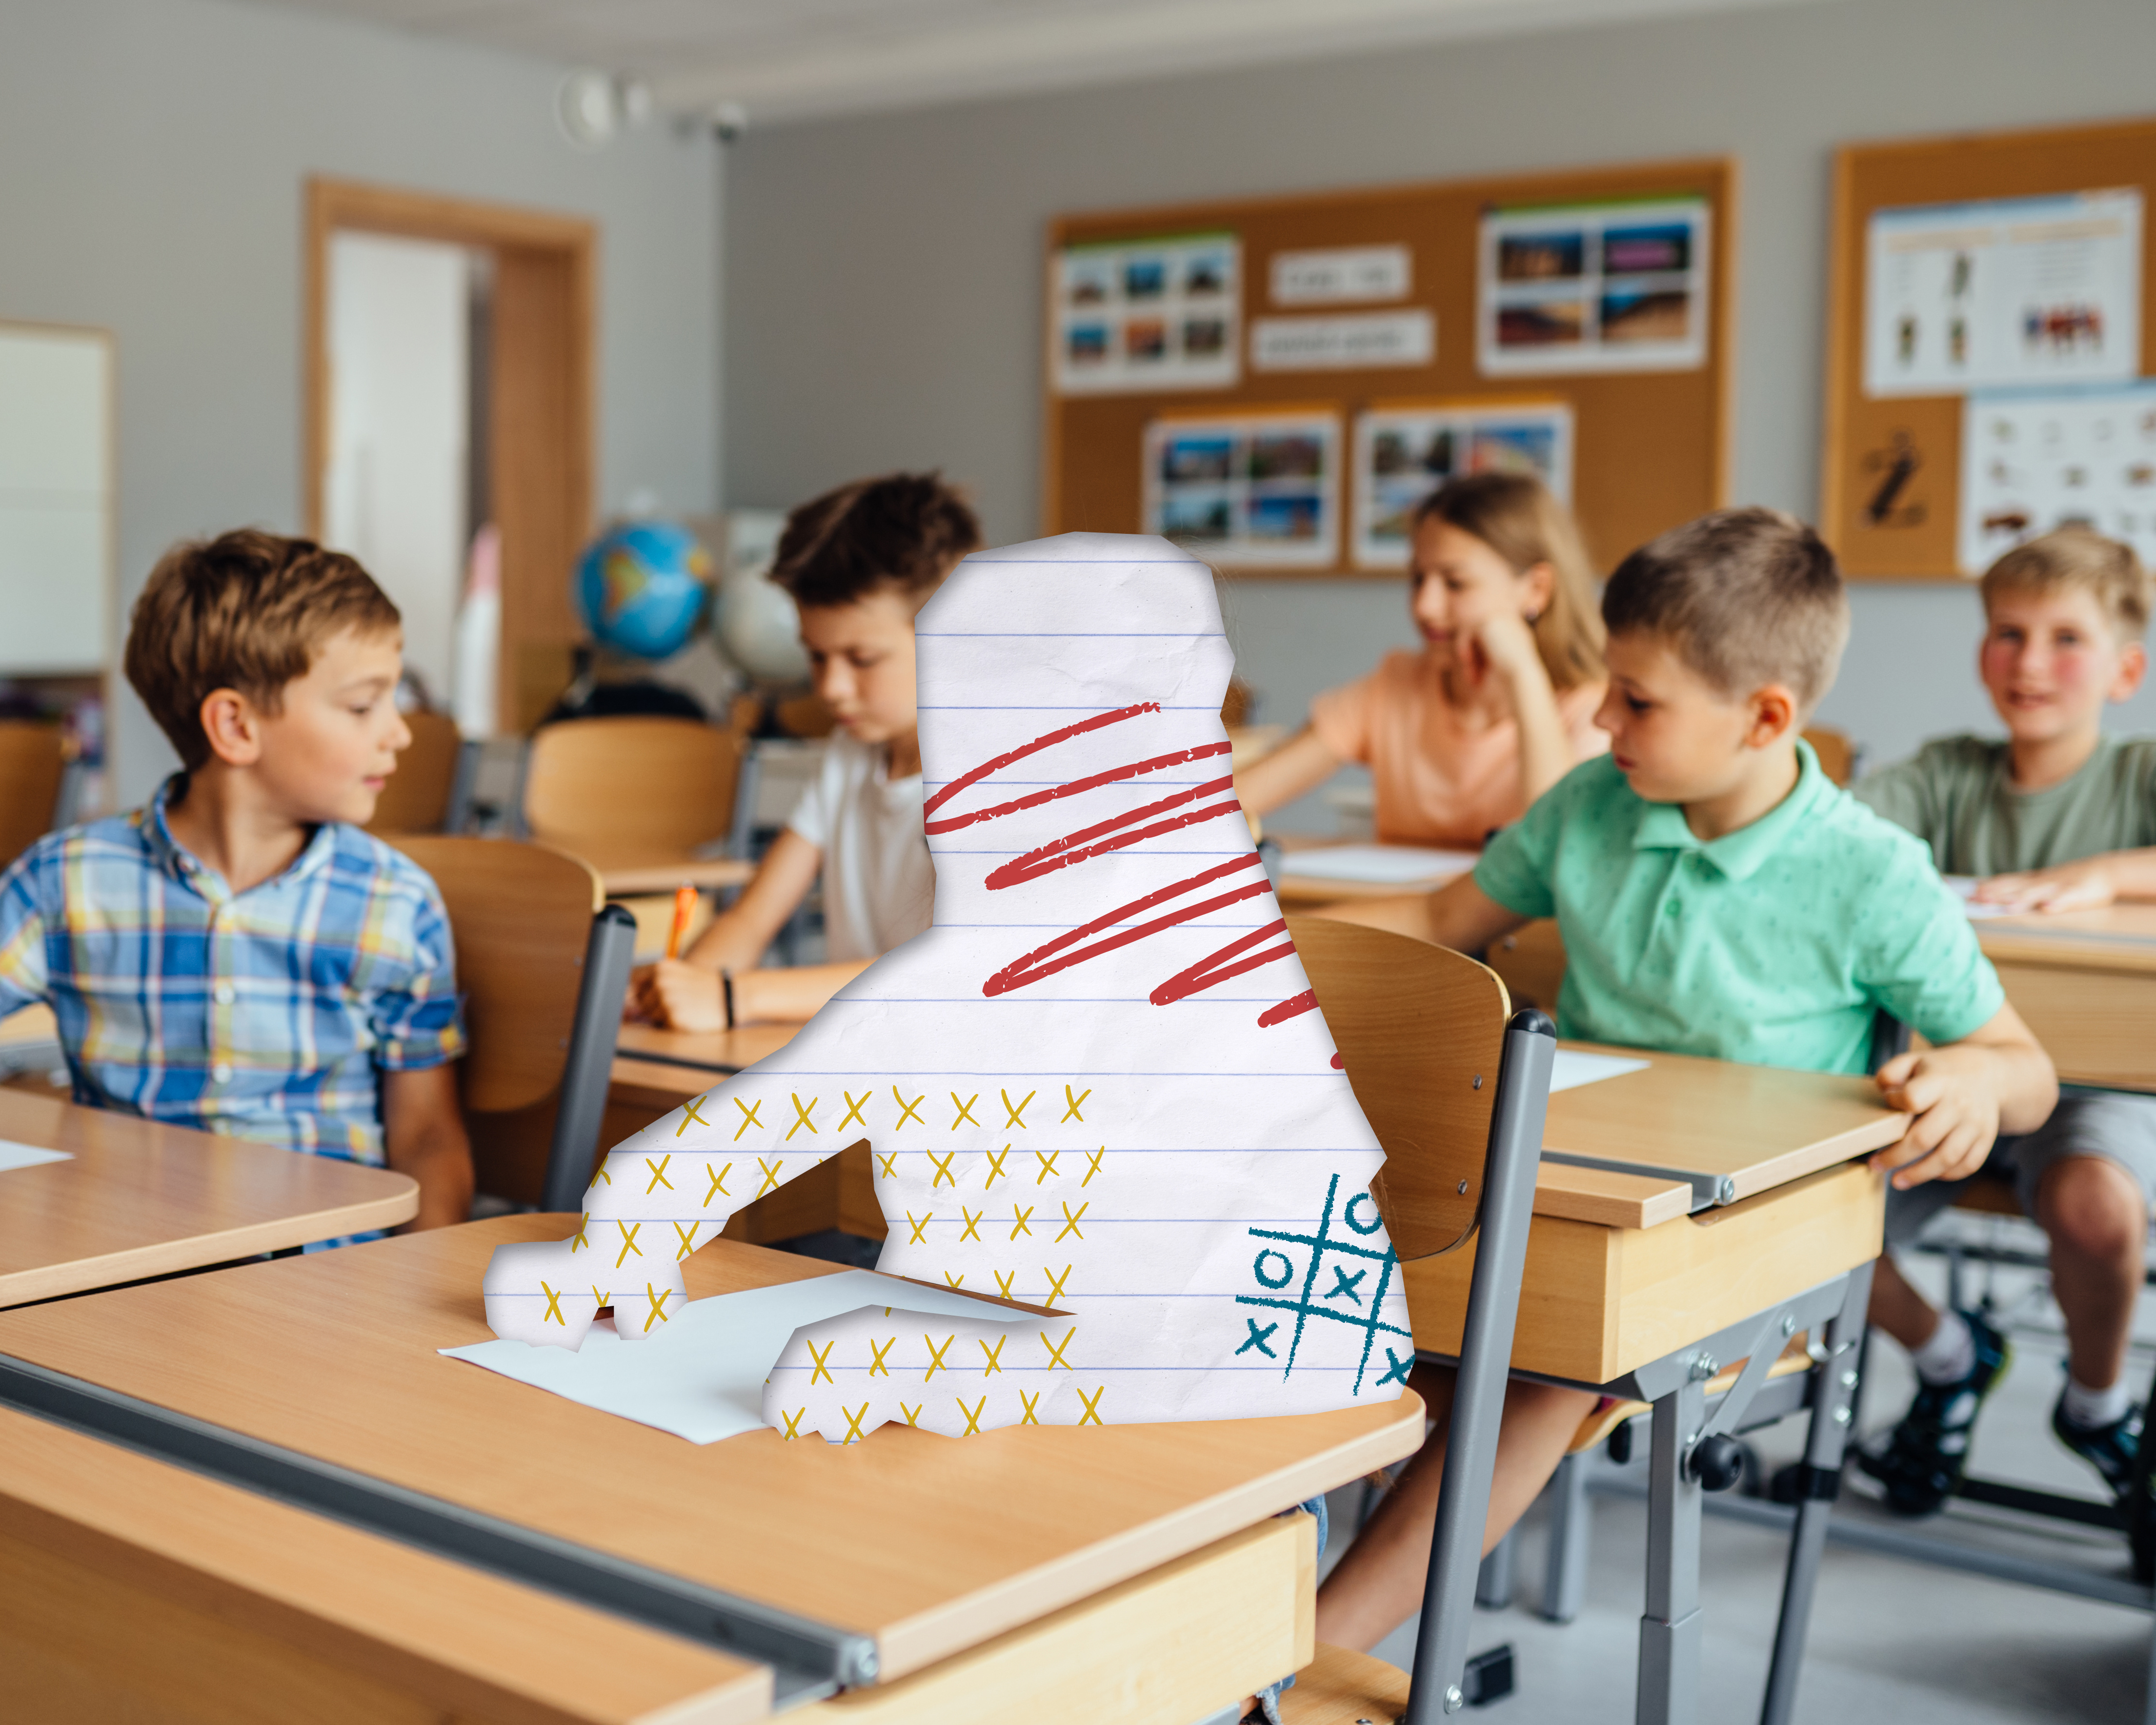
{"x":450,"y":386}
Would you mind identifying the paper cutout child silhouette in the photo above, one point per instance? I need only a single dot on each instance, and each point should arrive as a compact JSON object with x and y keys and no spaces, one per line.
{"x":1098,"y":1084}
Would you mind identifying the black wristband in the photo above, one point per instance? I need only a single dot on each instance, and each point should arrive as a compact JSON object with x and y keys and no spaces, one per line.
{"x":726,"y":988}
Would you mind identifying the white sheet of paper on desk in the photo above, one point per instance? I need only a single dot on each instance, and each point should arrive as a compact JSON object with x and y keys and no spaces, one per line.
{"x":702,"y":1376}
{"x":1963,"y":887}
{"x":14,"y":1155}
{"x":1574,"y":1067}
{"x":1377,"y":865}
{"x":1099,"y":1082}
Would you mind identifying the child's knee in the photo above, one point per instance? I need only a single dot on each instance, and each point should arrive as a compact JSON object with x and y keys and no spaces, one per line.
{"x":2090,"y":1207}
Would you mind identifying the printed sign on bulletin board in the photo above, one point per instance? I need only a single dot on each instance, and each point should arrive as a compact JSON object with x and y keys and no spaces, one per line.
{"x":1259,"y":490}
{"x":1618,"y":286}
{"x":1132,"y":317}
{"x":1403,"y":454}
{"x":2003,"y":292}
{"x":2034,"y":461}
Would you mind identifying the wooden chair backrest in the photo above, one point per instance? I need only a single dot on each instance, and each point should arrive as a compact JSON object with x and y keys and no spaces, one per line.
{"x":32,"y":762}
{"x":1837,"y":754}
{"x":1420,"y":1030}
{"x":416,"y":800}
{"x":620,"y":792}
{"x":522,"y":916}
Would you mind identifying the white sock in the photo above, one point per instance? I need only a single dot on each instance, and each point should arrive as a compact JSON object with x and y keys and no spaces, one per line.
{"x":1951,"y":1354}
{"x":2092,"y":1409}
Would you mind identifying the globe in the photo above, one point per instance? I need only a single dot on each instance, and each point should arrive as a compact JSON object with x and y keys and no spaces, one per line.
{"x":759,"y":628}
{"x":642,"y":589}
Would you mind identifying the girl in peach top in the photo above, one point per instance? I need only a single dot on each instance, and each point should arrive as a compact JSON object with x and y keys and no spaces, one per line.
{"x":1498,"y":705}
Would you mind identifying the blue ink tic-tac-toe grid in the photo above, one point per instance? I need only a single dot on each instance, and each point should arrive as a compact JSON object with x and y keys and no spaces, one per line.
{"x":1347,"y":1289}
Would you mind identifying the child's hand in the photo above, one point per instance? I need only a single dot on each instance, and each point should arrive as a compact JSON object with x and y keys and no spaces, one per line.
{"x":1504,"y":643}
{"x":2083,"y":886}
{"x":679,"y":997}
{"x":1953,"y":1094}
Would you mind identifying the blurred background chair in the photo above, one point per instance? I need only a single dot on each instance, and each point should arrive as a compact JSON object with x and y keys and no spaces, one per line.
{"x":33,"y":758}
{"x":1838,"y":756}
{"x":423,"y":794}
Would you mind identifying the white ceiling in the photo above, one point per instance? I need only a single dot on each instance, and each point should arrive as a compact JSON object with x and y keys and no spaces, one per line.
{"x":794,"y":59}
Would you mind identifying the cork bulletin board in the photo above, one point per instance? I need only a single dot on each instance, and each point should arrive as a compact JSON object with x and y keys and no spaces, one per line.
{"x":1364,"y":310}
{"x":1924,"y":480}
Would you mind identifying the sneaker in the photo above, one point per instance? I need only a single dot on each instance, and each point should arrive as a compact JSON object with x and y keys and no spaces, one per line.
{"x":2110,"y":1449}
{"x":1923,"y":1459}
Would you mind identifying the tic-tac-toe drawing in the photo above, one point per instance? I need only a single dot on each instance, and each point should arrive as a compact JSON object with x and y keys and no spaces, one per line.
{"x":1099,"y":1084}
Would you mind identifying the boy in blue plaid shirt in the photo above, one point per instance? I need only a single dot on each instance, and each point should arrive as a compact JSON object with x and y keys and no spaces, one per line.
{"x":239,"y":957}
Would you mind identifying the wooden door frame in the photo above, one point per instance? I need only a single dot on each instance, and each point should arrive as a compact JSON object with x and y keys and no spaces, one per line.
{"x":537,"y":624}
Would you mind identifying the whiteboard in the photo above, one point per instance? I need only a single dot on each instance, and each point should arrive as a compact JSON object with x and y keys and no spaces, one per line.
{"x":56,"y":486}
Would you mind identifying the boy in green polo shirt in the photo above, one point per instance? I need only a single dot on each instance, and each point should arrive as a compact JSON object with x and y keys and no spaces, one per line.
{"x":2060,"y":817}
{"x":1717,"y":896}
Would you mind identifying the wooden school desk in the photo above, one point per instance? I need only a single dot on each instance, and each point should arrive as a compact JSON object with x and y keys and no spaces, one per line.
{"x":2085,"y":981}
{"x":969,"y":1579}
{"x":137,"y":1198}
{"x":1307,"y":892}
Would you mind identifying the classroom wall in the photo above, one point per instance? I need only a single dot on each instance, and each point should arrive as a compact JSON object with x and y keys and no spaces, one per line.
{"x":154,"y":155}
{"x":883,"y":277}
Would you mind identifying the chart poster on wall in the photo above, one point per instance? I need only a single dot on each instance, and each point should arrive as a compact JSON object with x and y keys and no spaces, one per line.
{"x":1259,"y":490}
{"x":2008,"y":292}
{"x":1403,"y":454}
{"x":1616,"y":286}
{"x":2034,"y":461}
{"x":1130,"y":316}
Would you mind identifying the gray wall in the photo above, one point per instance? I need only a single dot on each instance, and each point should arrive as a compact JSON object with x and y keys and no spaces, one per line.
{"x":151,"y":158}
{"x":882,"y":275}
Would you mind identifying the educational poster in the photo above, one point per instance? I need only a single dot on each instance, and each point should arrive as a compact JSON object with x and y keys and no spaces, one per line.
{"x":1251,"y":490}
{"x":1618,"y":286}
{"x":1132,"y":317}
{"x":2017,"y":292}
{"x":1402,"y":454}
{"x":1341,"y":276}
{"x":2032,"y":461}
{"x":1349,"y":341}
{"x":1100,"y":1085}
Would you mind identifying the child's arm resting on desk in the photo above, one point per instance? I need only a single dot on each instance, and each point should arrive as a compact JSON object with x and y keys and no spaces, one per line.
{"x":424,"y":1135}
{"x":1996,"y":1078}
{"x":1300,"y":765}
{"x":2085,"y":886}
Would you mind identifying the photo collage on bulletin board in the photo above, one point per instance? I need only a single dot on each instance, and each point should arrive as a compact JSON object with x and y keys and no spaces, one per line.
{"x":2035,"y":461}
{"x":1143,"y":315}
{"x":1404,"y":454}
{"x":1621,"y":286}
{"x":1251,"y":490}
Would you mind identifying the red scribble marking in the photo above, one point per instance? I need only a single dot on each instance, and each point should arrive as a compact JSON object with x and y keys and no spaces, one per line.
{"x":965,"y":780}
{"x":1293,"y":1007}
{"x":1214,"y":970}
{"x":1339,"y":1065}
{"x":1023,"y":971}
{"x":1181,"y":757}
{"x":1058,"y":854}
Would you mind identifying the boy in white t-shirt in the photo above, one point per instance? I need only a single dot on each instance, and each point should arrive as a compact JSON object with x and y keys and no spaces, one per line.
{"x":861,"y":563}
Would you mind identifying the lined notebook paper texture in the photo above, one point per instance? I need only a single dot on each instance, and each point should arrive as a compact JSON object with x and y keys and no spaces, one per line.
{"x":1099,"y":1083}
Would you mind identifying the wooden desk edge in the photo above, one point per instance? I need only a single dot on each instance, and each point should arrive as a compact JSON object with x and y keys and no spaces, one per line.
{"x":83,"y":1276}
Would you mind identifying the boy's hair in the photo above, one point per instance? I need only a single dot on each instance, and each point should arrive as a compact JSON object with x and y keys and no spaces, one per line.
{"x":1748,"y":596}
{"x":2077,"y":556}
{"x":905,"y":531}
{"x":245,"y":611}
{"x":1517,"y":516}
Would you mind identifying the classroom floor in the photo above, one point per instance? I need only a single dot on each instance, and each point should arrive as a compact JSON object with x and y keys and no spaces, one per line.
{"x":1890,"y":1640}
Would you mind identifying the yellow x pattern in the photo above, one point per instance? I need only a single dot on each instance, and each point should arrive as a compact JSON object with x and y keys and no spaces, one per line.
{"x":853,"y":1109}
{"x":1070,"y":1222}
{"x":972,"y":1224}
{"x":1031,"y":1403}
{"x":793,"y":1422}
{"x":995,"y":1166}
{"x":718,"y":1178}
{"x":936,"y":1354}
{"x":687,"y":1236}
{"x":598,"y":1298}
{"x":822,"y":1374}
{"x":1055,"y":1349}
{"x":1093,"y":1164}
{"x":1047,"y":1158}
{"x":876,"y":1367}
{"x":943,"y":1173}
{"x":908,"y":1110}
{"x":995,"y":1354}
{"x":689,"y":1113}
{"x":602,"y":1174}
{"x":853,"y":1422}
{"x":801,"y":1117}
{"x":920,"y":1228}
{"x":965,"y":1110}
{"x":1076,"y":1102}
{"x":658,"y":1174}
{"x":749,"y":1112}
{"x":956,"y":1281}
{"x":553,"y":1306}
{"x":1022,"y":1222}
{"x":584,"y":1222}
{"x":973,"y":1414}
{"x":658,"y":1299}
{"x":629,"y":1233}
{"x":1055,"y":1283}
{"x":890,"y":1164}
{"x":1003,"y":1282}
{"x":1091,"y":1416}
{"x":770,"y":1174}
{"x":912,"y":1413}
{"x":1018,"y":1114}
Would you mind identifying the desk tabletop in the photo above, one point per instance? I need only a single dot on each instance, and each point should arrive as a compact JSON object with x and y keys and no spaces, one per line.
{"x":708,"y":1052}
{"x":2117,"y":937}
{"x":138,"y":1199}
{"x":929,"y":1544}
{"x":624,"y":877}
{"x":1297,"y":891}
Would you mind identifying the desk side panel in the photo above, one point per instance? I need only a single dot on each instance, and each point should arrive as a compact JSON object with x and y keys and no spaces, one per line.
{"x":2095,"y":1024}
{"x":1569,"y":1299}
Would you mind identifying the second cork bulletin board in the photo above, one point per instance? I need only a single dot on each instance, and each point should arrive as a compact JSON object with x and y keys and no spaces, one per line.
{"x":1650,"y":448}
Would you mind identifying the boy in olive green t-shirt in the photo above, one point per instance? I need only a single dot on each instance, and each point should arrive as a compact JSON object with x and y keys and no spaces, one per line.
{"x":1716,"y":896}
{"x":2060,"y":817}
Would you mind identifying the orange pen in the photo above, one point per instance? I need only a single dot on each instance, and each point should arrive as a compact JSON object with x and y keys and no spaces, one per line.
{"x":685,"y":907}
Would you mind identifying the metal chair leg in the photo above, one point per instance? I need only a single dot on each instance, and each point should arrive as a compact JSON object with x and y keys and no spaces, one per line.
{"x":581,"y":1104}
{"x":1493,"y":1581}
{"x":1564,"y":1578}
{"x":1836,"y":1379}
{"x":1669,"y":1628}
